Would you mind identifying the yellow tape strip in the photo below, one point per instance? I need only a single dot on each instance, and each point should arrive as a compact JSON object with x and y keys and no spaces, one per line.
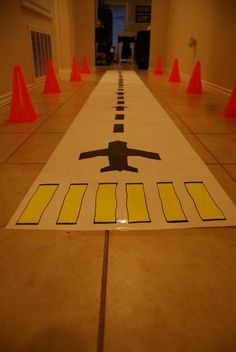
{"x":136,"y":203}
{"x":105,"y":211}
{"x":72,"y":204}
{"x":206,"y":207}
{"x":37,"y":204}
{"x":170,"y":203}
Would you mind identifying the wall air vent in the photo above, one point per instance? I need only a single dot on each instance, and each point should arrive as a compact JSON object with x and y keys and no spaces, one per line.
{"x":41,"y":52}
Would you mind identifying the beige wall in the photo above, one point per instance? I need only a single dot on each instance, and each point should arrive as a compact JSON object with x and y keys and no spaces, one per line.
{"x":84,"y":29}
{"x":15,"y":22}
{"x":71,"y":28}
{"x":64,"y":33}
{"x":213,"y":24}
{"x":159,"y":27}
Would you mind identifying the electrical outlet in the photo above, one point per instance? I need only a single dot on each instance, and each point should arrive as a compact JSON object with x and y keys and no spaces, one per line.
{"x":192,"y":43}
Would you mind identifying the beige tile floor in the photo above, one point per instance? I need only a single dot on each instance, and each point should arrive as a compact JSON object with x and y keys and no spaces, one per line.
{"x":139,"y":291}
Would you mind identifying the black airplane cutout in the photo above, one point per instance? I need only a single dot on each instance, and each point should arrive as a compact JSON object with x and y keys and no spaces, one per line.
{"x":118,"y":153}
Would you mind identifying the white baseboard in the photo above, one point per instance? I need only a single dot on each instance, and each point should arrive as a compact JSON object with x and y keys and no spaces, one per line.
{"x":206,"y":84}
{"x":5,"y":99}
{"x":210,"y":86}
{"x":64,"y":73}
{"x":220,"y":89}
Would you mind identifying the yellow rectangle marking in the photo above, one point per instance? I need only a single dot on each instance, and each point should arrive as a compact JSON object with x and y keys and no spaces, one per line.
{"x":136,"y":203}
{"x":70,"y":210}
{"x":37,"y":204}
{"x":105,"y":211}
{"x":171,"y":205}
{"x":206,"y":206}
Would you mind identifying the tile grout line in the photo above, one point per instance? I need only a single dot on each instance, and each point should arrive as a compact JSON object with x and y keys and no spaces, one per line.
{"x":199,"y":140}
{"x":101,"y":322}
{"x":162,"y":100}
{"x":31,"y":133}
{"x":191,"y":131}
{"x":227,"y":172}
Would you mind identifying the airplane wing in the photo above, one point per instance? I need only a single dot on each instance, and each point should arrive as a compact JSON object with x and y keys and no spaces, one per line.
{"x":143,"y":153}
{"x":94,"y":153}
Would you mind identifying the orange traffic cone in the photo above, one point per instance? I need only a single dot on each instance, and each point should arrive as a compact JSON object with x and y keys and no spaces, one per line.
{"x":85,"y":67}
{"x":22,"y":109}
{"x":158,"y":68}
{"x":75,"y":74}
{"x":174,"y":75}
{"x":230,"y":110}
{"x":51,"y":84}
{"x":195,"y":83}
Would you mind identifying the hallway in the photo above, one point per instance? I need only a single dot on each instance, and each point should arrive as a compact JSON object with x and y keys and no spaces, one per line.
{"x":160,"y":290}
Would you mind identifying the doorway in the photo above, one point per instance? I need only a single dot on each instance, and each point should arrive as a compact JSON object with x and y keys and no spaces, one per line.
{"x":118,"y":24}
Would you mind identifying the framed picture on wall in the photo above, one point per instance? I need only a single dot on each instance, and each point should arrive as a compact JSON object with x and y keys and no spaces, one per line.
{"x":143,"y":14}
{"x":143,"y":9}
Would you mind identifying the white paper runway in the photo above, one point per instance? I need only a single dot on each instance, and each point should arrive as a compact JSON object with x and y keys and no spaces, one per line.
{"x":123,"y":164}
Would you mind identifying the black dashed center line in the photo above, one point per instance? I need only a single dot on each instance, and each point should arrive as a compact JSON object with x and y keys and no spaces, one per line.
{"x":120,"y":108}
{"x":119,"y":127}
{"x":119,"y":117}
